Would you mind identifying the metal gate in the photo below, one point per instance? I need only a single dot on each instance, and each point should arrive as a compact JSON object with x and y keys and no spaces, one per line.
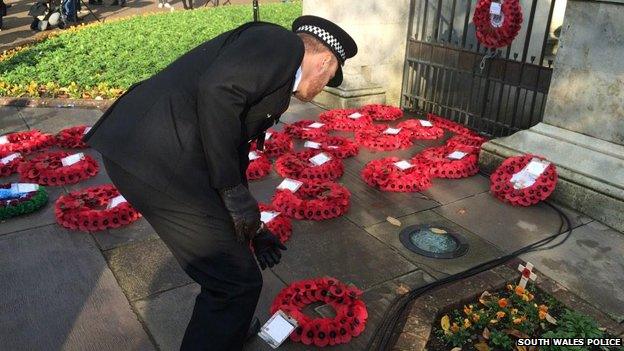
{"x":446,"y":72}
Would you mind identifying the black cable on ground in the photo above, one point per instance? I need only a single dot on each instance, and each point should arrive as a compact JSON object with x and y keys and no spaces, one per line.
{"x":383,"y":336}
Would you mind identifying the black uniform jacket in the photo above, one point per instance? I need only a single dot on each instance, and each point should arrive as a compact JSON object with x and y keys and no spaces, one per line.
{"x":186,"y":130}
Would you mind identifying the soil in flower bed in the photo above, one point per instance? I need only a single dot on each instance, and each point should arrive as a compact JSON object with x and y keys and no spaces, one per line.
{"x":495,"y":320}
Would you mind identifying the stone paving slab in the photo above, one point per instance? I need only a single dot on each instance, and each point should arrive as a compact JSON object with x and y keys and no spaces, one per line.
{"x":167,"y":314}
{"x":264,"y":189}
{"x":506,"y":226}
{"x":590,"y":263}
{"x":135,"y":232}
{"x":479,"y":250}
{"x":377,"y":300}
{"x":11,"y":120}
{"x":145,"y":268}
{"x":52,"y":120}
{"x":339,"y":249}
{"x":57,"y":293}
{"x":446,"y":191}
{"x":42,"y":217}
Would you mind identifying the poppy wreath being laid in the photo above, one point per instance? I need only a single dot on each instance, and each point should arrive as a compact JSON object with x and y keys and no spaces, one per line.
{"x":313,"y":200}
{"x":301,"y":130}
{"x":280,"y":225}
{"x":421,"y":132}
{"x":258,"y":168}
{"x":503,"y":189}
{"x":26,"y":142}
{"x":382,"y":112}
{"x":276,"y":145}
{"x":470,"y":142}
{"x":338,"y":146}
{"x":86,"y":210}
{"x":351,"y":312}
{"x":374,"y":138}
{"x":71,"y":138}
{"x":29,"y":203}
{"x":440,"y":166}
{"x":297,"y":165}
{"x":47,"y":169}
{"x":386,"y":176}
{"x":451,"y":126}
{"x":10,"y":167}
{"x":494,"y":34}
{"x":339,"y":119}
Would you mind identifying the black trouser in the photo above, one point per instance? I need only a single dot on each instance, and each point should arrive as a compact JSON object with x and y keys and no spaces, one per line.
{"x":206,"y":249}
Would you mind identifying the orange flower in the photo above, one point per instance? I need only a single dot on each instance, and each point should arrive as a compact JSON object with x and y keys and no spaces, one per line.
{"x":530,"y":296}
{"x":519,"y":290}
{"x":542,"y":314}
{"x":517,"y":320}
{"x":514,"y":310}
{"x":454,"y":328}
{"x":500,"y":314}
{"x":467,"y":323}
{"x":475,"y":317}
{"x":502,"y":303}
{"x":543,"y":308}
{"x":467,"y":310}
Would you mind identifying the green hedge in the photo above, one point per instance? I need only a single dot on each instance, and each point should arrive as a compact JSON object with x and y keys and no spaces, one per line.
{"x":104,"y":59}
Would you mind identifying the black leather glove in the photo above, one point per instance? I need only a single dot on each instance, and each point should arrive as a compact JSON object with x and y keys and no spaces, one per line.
{"x":267,"y":248}
{"x":244,"y":211}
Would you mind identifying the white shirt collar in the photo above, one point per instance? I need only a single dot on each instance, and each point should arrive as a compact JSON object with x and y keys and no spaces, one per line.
{"x":297,"y":79}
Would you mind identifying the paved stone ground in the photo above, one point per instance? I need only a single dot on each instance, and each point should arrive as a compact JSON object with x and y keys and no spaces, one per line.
{"x":122,"y":289}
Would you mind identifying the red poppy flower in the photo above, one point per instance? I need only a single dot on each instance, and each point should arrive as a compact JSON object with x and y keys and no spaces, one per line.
{"x":382,"y":112}
{"x":346,"y":119}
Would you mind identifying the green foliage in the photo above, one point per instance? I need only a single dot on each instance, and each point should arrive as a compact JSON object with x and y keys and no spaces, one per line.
{"x":501,"y":340}
{"x":120,"y":53}
{"x":574,"y":325}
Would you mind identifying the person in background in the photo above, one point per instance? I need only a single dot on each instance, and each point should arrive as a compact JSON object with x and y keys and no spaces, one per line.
{"x":3,"y":12}
{"x":165,"y":4}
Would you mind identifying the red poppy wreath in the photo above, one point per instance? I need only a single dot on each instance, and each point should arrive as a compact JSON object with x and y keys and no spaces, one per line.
{"x":275,"y":144}
{"x":422,"y":129}
{"x":382,"y":112}
{"x":445,"y":162}
{"x":71,"y":138}
{"x":497,"y":23}
{"x":94,"y":209}
{"x":451,"y":126}
{"x":351,"y":312}
{"x":345,"y":119}
{"x":25,"y":142}
{"x":307,"y":129}
{"x":383,"y":138}
{"x":392,"y":174}
{"x":301,"y":166}
{"x":313,"y":200}
{"x":9,"y":163}
{"x":519,"y":184}
{"x":472,"y":143}
{"x":337,"y":146}
{"x":276,"y":222}
{"x":259,"y":165}
{"x":58,"y":168}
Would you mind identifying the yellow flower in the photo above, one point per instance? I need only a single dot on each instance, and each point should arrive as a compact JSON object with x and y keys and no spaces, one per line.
{"x":445,"y":323}
{"x":526,"y":298}
{"x":509,"y":287}
{"x":530,"y":296}
{"x":467,"y":310}
{"x":467,"y":323}
{"x":475,"y":317}
{"x":514,"y":311}
{"x":500,"y":314}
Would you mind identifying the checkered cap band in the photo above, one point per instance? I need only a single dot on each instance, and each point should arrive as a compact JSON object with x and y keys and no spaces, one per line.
{"x":325,"y":36}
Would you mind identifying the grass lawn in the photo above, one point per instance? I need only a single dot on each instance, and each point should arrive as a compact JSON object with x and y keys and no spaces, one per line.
{"x":104,"y":59}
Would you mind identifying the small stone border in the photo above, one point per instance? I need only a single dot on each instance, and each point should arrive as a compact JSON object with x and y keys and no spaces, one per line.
{"x":425,"y":310}
{"x":56,"y":102}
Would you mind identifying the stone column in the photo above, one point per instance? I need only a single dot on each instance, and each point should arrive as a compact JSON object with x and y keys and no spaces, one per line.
{"x":379,"y":28}
{"x":583,"y":127}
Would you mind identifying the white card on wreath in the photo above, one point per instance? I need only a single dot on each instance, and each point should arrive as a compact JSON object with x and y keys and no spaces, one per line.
{"x":320,"y":159}
{"x":86,"y":130}
{"x":457,"y":155}
{"x":495,"y":8}
{"x":5,"y":160}
{"x":290,"y":184}
{"x":332,"y":147}
{"x":425,"y":123}
{"x":72,"y":159}
{"x":392,"y":131}
{"x":403,"y":165}
{"x":267,"y":216}
{"x":253,"y":155}
{"x":277,"y":329}
{"x":522,"y":179}
{"x":267,"y":136}
{"x":25,"y":187}
{"x":355,"y":115}
{"x":116,"y":201}
{"x":316,"y":125}
{"x":536,"y":167}
{"x":312,"y":145}
{"x":4,"y":140}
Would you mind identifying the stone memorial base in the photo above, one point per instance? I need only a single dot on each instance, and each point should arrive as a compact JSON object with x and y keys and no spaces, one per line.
{"x":351,"y":93}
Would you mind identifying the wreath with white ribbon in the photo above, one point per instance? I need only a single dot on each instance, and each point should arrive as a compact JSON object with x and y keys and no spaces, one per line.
{"x":497,"y":22}
{"x":300,"y":166}
{"x":25,"y":142}
{"x":313,"y":200}
{"x":392,"y":174}
{"x":58,"y":168}
{"x":445,"y":162}
{"x":346,"y":119}
{"x":515,"y":183}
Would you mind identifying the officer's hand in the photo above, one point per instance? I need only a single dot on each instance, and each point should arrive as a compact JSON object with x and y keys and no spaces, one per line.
{"x":267,"y":248}
{"x":243,"y":209}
